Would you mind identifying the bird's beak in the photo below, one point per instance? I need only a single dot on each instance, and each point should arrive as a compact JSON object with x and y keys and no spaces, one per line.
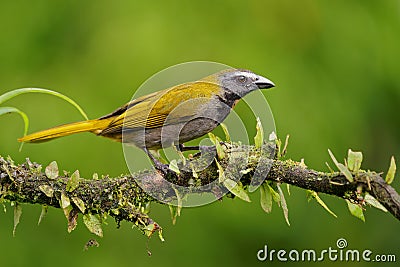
{"x":263,"y":83}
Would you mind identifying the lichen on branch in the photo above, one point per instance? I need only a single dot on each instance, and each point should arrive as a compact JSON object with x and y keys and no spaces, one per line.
{"x":123,"y":199}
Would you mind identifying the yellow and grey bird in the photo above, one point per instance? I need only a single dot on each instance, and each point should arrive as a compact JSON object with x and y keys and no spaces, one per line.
{"x":168,"y":117}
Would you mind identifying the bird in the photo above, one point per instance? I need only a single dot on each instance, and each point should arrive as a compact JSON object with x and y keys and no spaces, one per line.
{"x":168,"y":117}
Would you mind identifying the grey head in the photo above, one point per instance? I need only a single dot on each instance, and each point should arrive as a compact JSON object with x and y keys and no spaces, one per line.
{"x":241,"y":82}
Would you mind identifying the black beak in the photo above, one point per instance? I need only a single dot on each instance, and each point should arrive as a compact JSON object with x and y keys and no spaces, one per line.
{"x":263,"y":83}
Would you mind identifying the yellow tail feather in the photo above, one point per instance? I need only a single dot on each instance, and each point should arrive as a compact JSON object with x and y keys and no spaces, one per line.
{"x":94,"y":126}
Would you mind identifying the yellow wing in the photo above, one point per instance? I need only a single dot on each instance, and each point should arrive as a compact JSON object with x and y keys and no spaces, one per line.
{"x":152,"y":111}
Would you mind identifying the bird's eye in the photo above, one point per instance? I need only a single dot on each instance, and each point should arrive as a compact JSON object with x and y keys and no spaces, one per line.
{"x":241,"y":79}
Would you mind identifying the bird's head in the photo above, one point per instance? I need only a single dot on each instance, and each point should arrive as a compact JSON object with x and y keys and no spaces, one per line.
{"x":242,"y":82}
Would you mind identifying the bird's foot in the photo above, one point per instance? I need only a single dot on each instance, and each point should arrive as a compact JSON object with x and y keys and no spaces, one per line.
{"x":164,"y":168}
{"x":158,"y":165}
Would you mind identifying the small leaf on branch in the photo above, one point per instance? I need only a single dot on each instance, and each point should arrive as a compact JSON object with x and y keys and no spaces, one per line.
{"x":354,"y":160}
{"x":226,"y":132}
{"x":391,"y":172}
{"x":285,"y":145}
{"x":373,"y":202}
{"x":259,"y":137}
{"x":79,"y":203}
{"x":272,"y":136}
{"x":284,"y":205}
{"x":194,"y":173}
{"x":17,"y":215}
{"x":321,"y":202}
{"x":217,"y":142}
{"x":51,"y":171}
{"x":179,"y":201}
{"x":221,"y":173}
{"x":173,"y":166}
{"x":72,"y":218}
{"x":42,"y":213}
{"x":275,"y":195}
{"x":237,"y":189}
{"x":64,"y":202}
{"x":356,"y":210}
{"x":47,"y":190}
{"x":93,"y":224}
{"x":342,"y":168}
{"x":265,"y":198}
{"x":73,"y":181}
{"x":173,"y":210}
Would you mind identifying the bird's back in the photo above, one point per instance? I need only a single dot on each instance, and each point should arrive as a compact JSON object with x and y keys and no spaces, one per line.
{"x":170,"y":106}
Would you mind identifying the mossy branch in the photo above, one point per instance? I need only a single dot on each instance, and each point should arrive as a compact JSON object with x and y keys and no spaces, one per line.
{"x":122,"y":197}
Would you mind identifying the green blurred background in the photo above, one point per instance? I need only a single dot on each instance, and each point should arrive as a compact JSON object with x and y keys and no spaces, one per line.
{"x":336,"y":65}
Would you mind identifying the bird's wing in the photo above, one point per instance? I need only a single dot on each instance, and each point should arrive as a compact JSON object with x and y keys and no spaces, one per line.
{"x":170,"y":106}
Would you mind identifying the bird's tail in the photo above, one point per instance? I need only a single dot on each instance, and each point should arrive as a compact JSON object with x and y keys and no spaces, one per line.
{"x":94,"y":126}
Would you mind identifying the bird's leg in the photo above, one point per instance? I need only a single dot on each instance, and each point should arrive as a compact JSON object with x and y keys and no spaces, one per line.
{"x":182,"y":148}
{"x":157,"y":164}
